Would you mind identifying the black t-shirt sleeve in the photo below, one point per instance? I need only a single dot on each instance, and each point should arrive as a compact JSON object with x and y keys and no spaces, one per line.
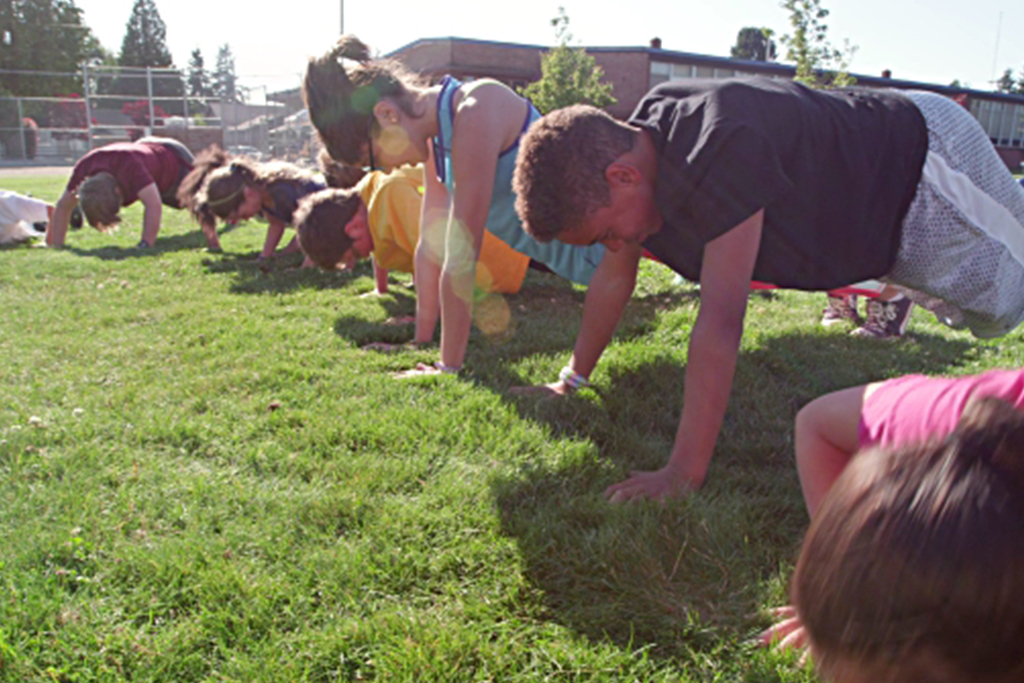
{"x":729,"y":175}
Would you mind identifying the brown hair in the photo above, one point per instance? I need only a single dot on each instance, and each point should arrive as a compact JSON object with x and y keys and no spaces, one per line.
{"x":320,"y":222}
{"x":340,"y":98}
{"x":214,"y":187}
{"x":100,"y":200}
{"x":339,"y":175}
{"x":559,"y":176}
{"x":913,"y":569}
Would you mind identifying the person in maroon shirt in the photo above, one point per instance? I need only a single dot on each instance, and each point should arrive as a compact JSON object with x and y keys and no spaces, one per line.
{"x":149,"y":170}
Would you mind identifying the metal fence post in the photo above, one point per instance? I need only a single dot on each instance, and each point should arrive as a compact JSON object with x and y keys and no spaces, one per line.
{"x":149,"y":91}
{"x":88,"y":107}
{"x":21,"y":132}
{"x":184,"y":99}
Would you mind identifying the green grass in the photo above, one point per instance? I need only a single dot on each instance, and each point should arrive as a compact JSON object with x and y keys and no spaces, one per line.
{"x":203,"y":478}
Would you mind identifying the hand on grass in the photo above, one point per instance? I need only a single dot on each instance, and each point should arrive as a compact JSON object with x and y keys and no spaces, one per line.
{"x":387,"y":347}
{"x":788,"y":632}
{"x":421,"y":370}
{"x":657,"y":485}
{"x":552,"y":390}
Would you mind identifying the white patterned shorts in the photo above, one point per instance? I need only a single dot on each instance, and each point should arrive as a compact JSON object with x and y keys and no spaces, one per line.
{"x":961,"y":253}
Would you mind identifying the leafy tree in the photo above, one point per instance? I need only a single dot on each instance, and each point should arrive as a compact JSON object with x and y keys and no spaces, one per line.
{"x":225,"y":82}
{"x":198,"y":77}
{"x":43,"y":35}
{"x":1006,"y":82}
{"x":754,"y":44}
{"x":568,"y":75}
{"x":818,"y":63}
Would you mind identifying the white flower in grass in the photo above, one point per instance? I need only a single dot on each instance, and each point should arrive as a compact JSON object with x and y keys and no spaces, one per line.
{"x":35,"y":421}
{"x":77,"y":412}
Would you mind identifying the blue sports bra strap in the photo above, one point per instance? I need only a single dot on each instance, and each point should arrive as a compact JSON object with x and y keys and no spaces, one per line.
{"x":445,"y":120}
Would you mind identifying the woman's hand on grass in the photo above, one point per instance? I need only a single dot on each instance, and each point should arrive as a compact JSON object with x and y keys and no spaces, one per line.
{"x":387,"y":347}
{"x":657,"y":485}
{"x":421,"y":370}
{"x":400,"y":320}
{"x":552,"y":390}
{"x":787,"y":633}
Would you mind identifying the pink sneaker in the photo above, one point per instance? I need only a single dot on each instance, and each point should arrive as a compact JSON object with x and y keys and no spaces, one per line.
{"x":841,"y":309}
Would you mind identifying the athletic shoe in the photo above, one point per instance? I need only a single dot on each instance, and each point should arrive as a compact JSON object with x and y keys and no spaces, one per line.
{"x":841,"y":309}
{"x":886,"y":319}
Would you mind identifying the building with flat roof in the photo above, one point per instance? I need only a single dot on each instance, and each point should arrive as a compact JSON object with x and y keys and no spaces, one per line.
{"x":635,"y":70}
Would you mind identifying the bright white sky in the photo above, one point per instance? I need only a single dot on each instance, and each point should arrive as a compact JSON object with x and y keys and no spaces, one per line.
{"x":933,"y":41}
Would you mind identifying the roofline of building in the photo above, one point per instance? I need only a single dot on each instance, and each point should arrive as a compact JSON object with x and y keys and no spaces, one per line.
{"x":728,"y":62}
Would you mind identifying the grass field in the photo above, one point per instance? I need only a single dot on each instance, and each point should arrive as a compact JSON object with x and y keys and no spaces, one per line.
{"x":203,"y":477}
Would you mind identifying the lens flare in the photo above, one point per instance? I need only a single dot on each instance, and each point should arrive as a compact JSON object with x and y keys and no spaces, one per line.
{"x":493,"y":316}
{"x":394,"y":142}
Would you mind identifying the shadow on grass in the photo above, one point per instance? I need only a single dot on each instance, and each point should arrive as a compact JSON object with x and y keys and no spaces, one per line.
{"x":189,"y":241}
{"x":280,"y":274}
{"x":670,"y":576}
{"x":400,"y":302}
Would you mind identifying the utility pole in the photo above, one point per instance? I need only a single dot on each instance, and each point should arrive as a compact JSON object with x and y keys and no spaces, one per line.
{"x":342,"y":17}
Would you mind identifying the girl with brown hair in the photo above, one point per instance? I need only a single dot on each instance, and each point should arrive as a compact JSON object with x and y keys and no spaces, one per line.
{"x":238,"y":188}
{"x":913,"y":568}
{"x":374,"y":113}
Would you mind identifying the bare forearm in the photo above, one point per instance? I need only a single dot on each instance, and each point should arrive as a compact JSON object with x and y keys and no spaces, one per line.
{"x":151,"y":223}
{"x":58,"y":228}
{"x":210,"y":232}
{"x":275,"y":229}
{"x":428,"y":287}
{"x":456,"y":313}
{"x":380,"y":276}
{"x":609,"y":293}
{"x":710,"y":367}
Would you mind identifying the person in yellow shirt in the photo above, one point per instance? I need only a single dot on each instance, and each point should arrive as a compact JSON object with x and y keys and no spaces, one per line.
{"x":380,"y":218}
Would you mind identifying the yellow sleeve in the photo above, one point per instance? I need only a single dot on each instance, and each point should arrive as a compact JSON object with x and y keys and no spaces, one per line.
{"x":394,"y":215}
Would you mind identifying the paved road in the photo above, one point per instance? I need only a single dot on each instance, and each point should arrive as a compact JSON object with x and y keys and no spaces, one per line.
{"x":22,"y":171}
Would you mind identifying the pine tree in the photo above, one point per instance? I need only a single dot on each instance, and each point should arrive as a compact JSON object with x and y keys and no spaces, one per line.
{"x":198,"y":77}
{"x":225,"y":83}
{"x":568,"y":75}
{"x":145,"y":44}
{"x":145,"y":39}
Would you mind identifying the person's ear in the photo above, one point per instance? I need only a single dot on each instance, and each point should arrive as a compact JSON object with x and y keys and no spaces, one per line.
{"x":386,"y":113}
{"x":621,"y":174}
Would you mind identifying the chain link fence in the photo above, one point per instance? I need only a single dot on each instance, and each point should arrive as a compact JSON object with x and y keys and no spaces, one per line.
{"x":100,"y":105}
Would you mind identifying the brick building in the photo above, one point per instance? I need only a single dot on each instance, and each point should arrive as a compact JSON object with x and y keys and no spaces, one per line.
{"x":634,"y":70}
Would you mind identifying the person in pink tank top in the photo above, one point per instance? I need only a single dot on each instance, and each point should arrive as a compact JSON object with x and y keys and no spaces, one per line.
{"x":913,"y":567}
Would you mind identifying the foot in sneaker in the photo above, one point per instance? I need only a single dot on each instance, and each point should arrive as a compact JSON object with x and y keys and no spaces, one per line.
{"x":841,"y":309}
{"x":886,"y":319}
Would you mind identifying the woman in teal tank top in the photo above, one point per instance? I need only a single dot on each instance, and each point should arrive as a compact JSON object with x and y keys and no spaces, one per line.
{"x":374,"y":113}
